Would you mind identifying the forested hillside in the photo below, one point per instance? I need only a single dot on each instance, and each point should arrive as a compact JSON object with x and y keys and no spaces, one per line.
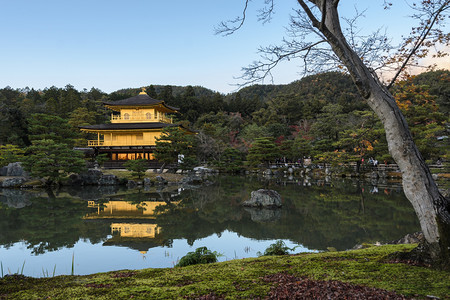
{"x":320,"y":116}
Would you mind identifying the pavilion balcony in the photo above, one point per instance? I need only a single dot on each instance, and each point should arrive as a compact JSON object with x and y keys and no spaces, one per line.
{"x":138,"y":119}
{"x":97,"y":143}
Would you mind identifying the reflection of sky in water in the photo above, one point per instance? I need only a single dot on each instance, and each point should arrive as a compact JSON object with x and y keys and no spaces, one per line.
{"x":93,"y":258}
{"x":340,"y":214}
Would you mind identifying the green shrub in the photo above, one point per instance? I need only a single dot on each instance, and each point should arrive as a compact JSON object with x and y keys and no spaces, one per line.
{"x":277,"y":248}
{"x":201,"y":256}
{"x":137,"y":167}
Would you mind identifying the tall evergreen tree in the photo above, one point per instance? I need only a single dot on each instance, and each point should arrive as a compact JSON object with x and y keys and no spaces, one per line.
{"x":262,"y":151}
{"x":172,"y":143}
{"x":52,"y":161}
{"x":48,"y":127}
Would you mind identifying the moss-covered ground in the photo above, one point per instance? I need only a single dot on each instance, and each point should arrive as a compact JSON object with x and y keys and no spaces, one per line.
{"x":238,"y":279}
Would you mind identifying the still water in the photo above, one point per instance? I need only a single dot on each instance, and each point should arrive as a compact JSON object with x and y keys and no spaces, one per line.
{"x":99,"y":229}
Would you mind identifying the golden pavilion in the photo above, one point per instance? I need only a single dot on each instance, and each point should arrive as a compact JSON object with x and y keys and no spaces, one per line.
{"x":136,"y":122}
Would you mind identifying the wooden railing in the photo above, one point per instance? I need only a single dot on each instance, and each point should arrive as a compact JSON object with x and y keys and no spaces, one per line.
{"x":131,"y":119}
{"x":96,"y":143}
{"x":443,"y":168}
{"x":352,"y":165}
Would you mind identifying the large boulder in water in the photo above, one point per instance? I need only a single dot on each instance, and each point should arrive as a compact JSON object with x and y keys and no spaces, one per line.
{"x":264,"y":198}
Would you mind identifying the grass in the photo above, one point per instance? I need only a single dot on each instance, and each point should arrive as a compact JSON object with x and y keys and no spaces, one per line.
{"x":238,"y":278}
{"x":72,"y":272}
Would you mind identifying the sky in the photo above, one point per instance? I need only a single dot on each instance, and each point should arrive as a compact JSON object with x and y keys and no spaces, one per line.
{"x":115,"y":44}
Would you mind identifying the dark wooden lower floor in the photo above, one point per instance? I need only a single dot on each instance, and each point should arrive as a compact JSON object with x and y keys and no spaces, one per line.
{"x":151,"y":164}
{"x":118,"y":156}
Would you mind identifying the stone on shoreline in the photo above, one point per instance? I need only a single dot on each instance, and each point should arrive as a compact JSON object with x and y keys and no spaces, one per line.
{"x":160,"y":180}
{"x":108,"y":180}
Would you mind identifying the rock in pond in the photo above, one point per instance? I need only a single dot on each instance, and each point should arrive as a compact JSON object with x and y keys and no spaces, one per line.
{"x":264,"y":198}
{"x":13,"y":182}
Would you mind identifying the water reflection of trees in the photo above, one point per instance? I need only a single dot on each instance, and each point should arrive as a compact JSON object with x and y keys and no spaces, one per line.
{"x":48,"y":224}
{"x":318,"y":215}
{"x":338,"y":215}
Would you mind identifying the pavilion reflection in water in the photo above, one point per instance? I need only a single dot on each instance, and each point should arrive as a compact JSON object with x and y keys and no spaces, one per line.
{"x":132,"y":223}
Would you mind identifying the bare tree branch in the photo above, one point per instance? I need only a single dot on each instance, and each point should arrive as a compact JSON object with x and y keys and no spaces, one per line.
{"x":231,"y":26}
{"x":272,"y":56}
{"x":420,"y":40}
{"x":265,"y":13}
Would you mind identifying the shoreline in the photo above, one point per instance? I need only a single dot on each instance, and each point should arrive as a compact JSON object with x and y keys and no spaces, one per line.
{"x":371,"y":269}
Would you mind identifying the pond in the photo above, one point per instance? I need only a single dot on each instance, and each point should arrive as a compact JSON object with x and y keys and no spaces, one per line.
{"x":86,"y":230}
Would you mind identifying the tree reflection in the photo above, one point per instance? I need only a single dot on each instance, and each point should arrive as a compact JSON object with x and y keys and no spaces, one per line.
{"x":48,"y":224}
{"x":316,"y":214}
{"x":337,"y":215}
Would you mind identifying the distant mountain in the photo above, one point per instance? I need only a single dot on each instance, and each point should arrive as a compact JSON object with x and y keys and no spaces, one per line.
{"x":328,"y":86}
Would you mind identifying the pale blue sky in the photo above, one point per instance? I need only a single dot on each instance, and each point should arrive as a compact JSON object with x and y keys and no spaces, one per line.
{"x":112,"y":44}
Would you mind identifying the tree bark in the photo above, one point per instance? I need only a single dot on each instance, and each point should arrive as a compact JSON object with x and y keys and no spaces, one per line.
{"x":431,"y":207}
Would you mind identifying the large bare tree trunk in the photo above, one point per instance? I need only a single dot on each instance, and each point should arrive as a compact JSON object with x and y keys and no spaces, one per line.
{"x":432,"y":209}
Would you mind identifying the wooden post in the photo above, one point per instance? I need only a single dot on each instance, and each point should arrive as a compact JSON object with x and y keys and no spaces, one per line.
{"x":98,"y":138}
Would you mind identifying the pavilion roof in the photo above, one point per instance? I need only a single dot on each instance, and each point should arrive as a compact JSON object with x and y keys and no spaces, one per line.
{"x":140,"y":100}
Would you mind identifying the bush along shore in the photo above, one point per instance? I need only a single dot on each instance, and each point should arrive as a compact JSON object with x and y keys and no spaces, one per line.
{"x":371,"y":272}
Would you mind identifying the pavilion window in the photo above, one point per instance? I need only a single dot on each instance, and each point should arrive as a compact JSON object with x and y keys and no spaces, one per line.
{"x":126,"y":116}
{"x":148,"y":116}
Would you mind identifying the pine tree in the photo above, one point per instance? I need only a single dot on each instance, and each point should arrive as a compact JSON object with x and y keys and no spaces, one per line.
{"x":173,"y":142}
{"x":52,"y":161}
{"x":137,"y":167}
{"x":43,"y":126}
{"x":263,"y":150}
